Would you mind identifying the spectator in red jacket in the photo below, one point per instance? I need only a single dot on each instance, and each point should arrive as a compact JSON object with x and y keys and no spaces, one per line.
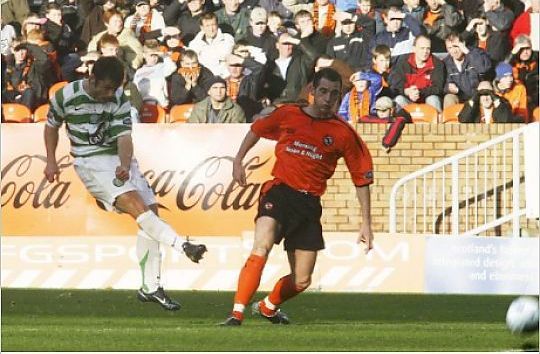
{"x":419,"y":77}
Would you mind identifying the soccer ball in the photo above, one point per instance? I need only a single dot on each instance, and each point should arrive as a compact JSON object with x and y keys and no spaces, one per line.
{"x":522,"y":315}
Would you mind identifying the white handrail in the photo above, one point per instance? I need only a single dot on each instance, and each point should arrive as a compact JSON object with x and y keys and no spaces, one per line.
{"x":454,"y":161}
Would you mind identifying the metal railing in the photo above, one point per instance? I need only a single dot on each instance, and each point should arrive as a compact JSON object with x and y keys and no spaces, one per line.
{"x":487,"y":198}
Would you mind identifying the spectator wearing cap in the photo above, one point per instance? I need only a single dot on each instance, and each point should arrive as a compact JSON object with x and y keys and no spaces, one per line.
{"x":360,"y":101}
{"x":144,"y":20}
{"x":94,"y":21}
{"x":24,"y":78}
{"x":258,"y":34}
{"x":395,"y":33}
{"x":479,"y":33}
{"x":212,"y":45}
{"x":246,"y":80}
{"x":233,"y":19}
{"x":351,"y":45}
{"x":188,"y":83}
{"x":524,"y":62}
{"x":528,"y":23}
{"x":151,"y":78}
{"x":419,"y":77}
{"x":440,"y":19}
{"x":217,"y":107}
{"x":131,"y":49}
{"x":186,"y":16}
{"x":486,"y":107}
{"x":515,"y":93}
{"x":291,"y":71}
{"x":465,"y":68}
{"x":303,"y":21}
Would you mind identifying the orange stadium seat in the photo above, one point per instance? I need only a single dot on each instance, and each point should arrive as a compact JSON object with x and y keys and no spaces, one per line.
{"x":152,"y":113}
{"x":450,"y":114}
{"x":40,"y":114}
{"x":57,"y":86}
{"x":180,"y":113}
{"x":535,"y":115}
{"x":16,"y":113}
{"x":422,"y":113}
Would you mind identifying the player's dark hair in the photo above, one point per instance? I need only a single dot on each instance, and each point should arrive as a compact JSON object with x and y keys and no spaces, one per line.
{"x":109,"y":69}
{"x":328,"y":74}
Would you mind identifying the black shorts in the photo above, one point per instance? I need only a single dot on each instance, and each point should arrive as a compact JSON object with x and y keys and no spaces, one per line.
{"x":299,"y":215}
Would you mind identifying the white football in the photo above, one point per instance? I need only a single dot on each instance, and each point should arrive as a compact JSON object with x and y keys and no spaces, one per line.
{"x":522,"y":315}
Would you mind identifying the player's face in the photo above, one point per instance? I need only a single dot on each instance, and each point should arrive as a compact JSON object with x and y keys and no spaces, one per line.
{"x":187,"y":62}
{"x":102,"y":91}
{"x":361,"y":85}
{"x":326,"y":96}
{"x":365,"y":7}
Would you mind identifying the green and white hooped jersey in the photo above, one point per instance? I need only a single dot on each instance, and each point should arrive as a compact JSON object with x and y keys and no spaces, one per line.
{"x":92,"y":127}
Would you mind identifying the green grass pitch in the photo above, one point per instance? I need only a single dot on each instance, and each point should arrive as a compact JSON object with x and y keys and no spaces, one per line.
{"x":113,"y":320}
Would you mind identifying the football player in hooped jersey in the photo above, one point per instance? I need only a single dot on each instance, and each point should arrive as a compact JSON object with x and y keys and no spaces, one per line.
{"x":97,"y":115}
{"x":310,"y":140}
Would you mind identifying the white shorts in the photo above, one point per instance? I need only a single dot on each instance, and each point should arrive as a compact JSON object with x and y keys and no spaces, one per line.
{"x":97,"y":174}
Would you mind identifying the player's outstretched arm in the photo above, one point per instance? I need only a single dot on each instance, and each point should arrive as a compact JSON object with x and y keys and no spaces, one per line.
{"x":239,"y":173}
{"x":365,"y":233}
{"x":50,"y":135}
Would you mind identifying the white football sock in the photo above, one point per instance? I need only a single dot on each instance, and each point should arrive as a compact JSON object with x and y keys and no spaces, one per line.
{"x":159,"y":230}
{"x":149,"y":257}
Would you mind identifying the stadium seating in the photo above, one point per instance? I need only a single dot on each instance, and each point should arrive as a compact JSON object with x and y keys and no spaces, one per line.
{"x":535,"y":115}
{"x":422,"y":113}
{"x":16,"y":113}
{"x":450,"y":114}
{"x":57,"y":86}
{"x":180,"y":113}
{"x":152,"y":113}
{"x":40,"y":114}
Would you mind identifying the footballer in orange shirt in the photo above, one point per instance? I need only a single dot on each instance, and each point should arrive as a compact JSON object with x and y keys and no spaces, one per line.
{"x":310,"y":141}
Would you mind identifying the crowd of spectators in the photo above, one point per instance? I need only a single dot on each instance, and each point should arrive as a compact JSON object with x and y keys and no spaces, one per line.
{"x":233,"y":59}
